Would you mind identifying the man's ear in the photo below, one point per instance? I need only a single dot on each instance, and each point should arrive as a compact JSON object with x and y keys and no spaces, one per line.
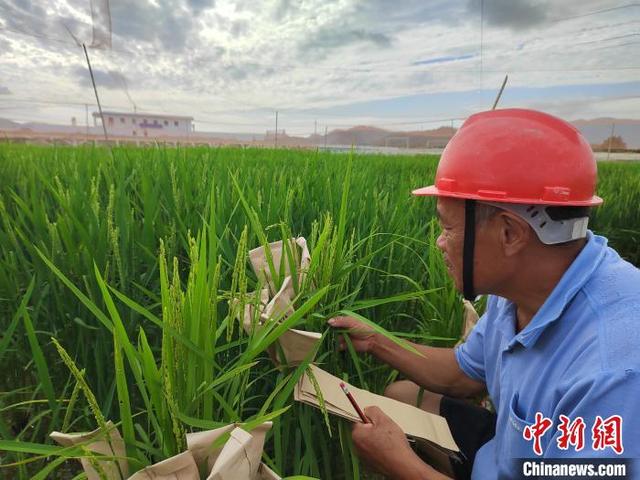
{"x":514,"y":233}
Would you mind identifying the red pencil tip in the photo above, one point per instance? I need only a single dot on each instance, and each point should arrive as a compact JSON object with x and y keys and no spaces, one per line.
{"x":341,"y":384}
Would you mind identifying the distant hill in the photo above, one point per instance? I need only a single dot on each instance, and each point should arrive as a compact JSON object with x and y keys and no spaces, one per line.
{"x":598,"y":129}
{"x":8,"y":124}
{"x":373,"y":136}
{"x":595,"y":130}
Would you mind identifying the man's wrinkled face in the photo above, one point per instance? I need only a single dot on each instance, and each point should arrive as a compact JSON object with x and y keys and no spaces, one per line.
{"x":489,"y":261}
{"x":450,"y":212}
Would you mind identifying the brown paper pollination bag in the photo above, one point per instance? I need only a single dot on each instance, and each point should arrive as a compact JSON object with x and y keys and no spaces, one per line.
{"x":238,"y":459}
{"x":260,"y":264}
{"x":200,"y":445}
{"x":295,"y":345}
{"x":281,"y":305}
{"x":265,"y":473}
{"x":108,"y":443}
{"x":178,"y":467}
{"x":232,"y":462}
{"x":201,"y":454}
{"x":244,"y":447}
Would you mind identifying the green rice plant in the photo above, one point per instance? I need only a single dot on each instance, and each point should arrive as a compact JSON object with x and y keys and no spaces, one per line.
{"x":170,"y":396}
{"x":88,"y":249}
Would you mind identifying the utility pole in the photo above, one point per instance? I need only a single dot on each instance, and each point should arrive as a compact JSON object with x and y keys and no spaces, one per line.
{"x":613,"y":128}
{"x":86,"y":120}
{"x":325,"y":136}
{"x":276,"y":137}
{"x":315,"y":128}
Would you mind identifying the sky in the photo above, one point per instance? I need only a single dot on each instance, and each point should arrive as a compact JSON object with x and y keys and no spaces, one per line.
{"x":401,"y":65}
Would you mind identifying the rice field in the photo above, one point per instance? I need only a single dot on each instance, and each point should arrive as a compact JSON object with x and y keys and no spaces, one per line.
{"x":117,"y":270}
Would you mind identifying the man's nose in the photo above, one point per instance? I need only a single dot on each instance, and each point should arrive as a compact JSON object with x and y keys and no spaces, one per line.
{"x":440,"y":242}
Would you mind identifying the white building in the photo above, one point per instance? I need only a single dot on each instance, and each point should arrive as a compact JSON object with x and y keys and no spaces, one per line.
{"x":145,"y":124}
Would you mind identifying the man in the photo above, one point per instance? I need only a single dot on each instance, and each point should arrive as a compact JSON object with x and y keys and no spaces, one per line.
{"x":558,"y":346}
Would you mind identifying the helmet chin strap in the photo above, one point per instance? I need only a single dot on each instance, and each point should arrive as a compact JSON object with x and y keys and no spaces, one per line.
{"x":468,"y":249}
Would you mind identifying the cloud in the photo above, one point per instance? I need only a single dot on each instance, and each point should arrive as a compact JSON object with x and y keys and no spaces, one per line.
{"x":104,"y":78}
{"x":5,"y":46}
{"x":244,"y":71}
{"x":373,"y":23}
{"x":411,"y":12}
{"x":169,"y":25}
{"x":23,"y":16}
{"x":333,"y":37}
{"x":282,"y":9}
{"x":239,"y":28}
{"x":180,"y":55}
{"x":513,"y":14}
{"x":4,"y":90}
{"x":58,"y":23}
{"x":199,"y":5}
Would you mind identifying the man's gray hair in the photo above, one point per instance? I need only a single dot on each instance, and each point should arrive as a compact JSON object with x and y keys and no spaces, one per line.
{"x":484,"y":212}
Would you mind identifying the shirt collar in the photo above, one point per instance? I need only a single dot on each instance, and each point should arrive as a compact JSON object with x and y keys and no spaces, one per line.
{"x":571,"y":282}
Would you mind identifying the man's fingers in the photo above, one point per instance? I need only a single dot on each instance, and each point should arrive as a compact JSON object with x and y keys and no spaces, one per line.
{"x":374,"y":414}
{"x":358,"y":332}
{"x":351,"y":324}
{"x":340,"y":322}
{"x":346,"y":322}
{"x":360,"y":431}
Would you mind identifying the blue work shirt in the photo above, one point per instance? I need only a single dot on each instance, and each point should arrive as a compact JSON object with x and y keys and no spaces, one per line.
{"x":579,"y":357}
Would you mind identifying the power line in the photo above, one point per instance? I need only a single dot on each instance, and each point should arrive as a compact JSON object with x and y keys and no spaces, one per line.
{"x":311,"y":112}
{"x":63,"y":41}
{"x":237,"y":124}
{"x":580,"y":31}
{"x":549,"y":69}
{"x":264,"y":124}
{"x":391,"y":124}
{"x":596,"y":12}
{"x":39,"y":36}
{"x":60,"y":103}
{"x":608,"y":39}
{"x":600,"y":27}
{"x":567,"y":50}
{"x":617,"y":45}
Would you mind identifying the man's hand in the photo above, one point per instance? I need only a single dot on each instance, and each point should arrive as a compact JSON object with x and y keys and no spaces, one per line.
{"x":361,"y":335}
{"x":383,"y":445}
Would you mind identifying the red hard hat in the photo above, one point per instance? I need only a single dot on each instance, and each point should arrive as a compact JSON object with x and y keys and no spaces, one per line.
{"x":517,"y":156}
